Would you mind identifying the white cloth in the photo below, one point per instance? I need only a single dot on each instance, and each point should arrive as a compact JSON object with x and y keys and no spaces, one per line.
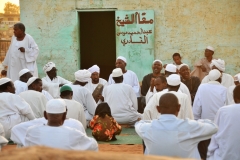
{"x":48,"y":67}
{"x":230,"y":99}
{"x":171,"y":136}
{"x":220,"y":64}
{"x":94,"y":68}
{"x":151,"y":112}
{"x":20,"y":87}
{"x":3,"y":140}
{"x":227,"y":80}
{"x":123,"y":102}
{"x":84,"y":97}
{"x":23,"y":71}
{"x":36,"y":100}
{"x":75,"y":110}
{"x":14,"y":110}
{"x":16,"y":60}
{"x":62,"y":137}
{"x":91,"y":87}
{"x":19,"y":131}
{"x":47,"y":95}
{"x":184,"y":89}
{"x":209,"y":98}
{"x":82,"y":75}
{"x":150,"y":94}
{"x":225,"y":143}
{"x":52,"y":86}
{"x":129,"y":78}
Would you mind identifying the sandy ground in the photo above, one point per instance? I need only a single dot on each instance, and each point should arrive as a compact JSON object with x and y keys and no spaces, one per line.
{"x":132,"y":149}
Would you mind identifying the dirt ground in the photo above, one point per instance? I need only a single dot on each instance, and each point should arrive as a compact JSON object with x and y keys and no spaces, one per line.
{"x":131,"y":149}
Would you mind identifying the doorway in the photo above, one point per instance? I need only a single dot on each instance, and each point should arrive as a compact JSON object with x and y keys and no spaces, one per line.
{"x":97,"y":41}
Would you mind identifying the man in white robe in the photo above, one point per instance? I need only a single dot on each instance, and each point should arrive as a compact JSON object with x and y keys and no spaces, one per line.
{"x":230,"y":99}
{"x":3,"y":140}
{"x":227,"y":79}
{"x":52,"y":82}
{"x":75,"y":109}
{"x":121,"y":99}
{"x":209,"y":98}
{"x":21,"y":84}
{"x":22,"y":53}
{"x":171,"y":136}
{"x":55,"y":135}
{"x":129,"y":77}
{"x":174,"y":82}
{"x":14,"y":109}
{"x":82,"y":94}
{"x":225,"y":143}
{"x":34,"y":97}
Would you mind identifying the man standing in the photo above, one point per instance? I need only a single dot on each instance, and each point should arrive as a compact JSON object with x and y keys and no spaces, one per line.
{"x":129,"y":77}
{"x":52,"y":82}
{"x":22,"y":53}
{"x":21,"y":84}
{"x":171,"y":136}
{"x":209,"y":98}
{"x":121,"y":99}
{"x":225,"y":143}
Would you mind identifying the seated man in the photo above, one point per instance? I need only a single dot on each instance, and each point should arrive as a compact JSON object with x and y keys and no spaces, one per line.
{"x":21,"y":84}
{"x":121,"y":99}
{"x":171,"y":136}
{"x":3,"y":140}
{"x":52,"y":82}
{"x":227,"y":79}
{"x":75,"y":109}
{"x":14,"y":109}
{"x":34,"y":97}
{"x":225,"y":143}
{"x":54,"y":134}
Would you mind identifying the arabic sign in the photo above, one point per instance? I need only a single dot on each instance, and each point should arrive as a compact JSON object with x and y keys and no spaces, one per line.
{"x":135,"y":39}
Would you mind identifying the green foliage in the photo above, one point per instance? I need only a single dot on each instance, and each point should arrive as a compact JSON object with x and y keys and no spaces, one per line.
{"x":11,"y":8}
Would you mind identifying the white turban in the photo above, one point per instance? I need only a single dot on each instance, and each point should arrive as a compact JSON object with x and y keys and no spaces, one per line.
{"x":23,"y":71}
{"x":48,"y":66}
{"x":117,"y":72}
{"x":220,"y":64}
{"x":157,"y":60}
{"x":173,"y":80}
{"x":214,"y":75}
{"x":181,"y":65}
{"x":4,"y":80}
{"x":31,"y":80}
{"x":82,"y":75}
{"x":56,"y":106}
{"x":236,"y":77}
{"x":122,"y":58}
{"x":171,"y":68}
{"x":210,"y":48}
{"x":94,"y":68}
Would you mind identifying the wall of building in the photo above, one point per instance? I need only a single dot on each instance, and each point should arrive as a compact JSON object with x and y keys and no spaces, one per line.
{"x":184,"y":26}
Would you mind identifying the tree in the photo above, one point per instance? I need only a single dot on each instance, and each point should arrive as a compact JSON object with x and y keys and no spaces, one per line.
{"x":11,"y":8}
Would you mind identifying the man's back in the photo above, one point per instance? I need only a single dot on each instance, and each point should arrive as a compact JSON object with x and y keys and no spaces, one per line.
{"x":227,"y":80}
{"x":20,"y":87}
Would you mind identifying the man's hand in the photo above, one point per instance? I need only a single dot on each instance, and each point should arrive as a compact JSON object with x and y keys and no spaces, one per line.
{"x":152,"y":84}
{"x":60,"y":85}
{"x":101,"y":97}
{"x":203,"y":68}
{"x":21,"y":49}
{"x":4,"y":73}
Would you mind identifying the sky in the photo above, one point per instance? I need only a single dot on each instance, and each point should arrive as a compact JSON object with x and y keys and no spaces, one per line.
{"x":2,"y":4}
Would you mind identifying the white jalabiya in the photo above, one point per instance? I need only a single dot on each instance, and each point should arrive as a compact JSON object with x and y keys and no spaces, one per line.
{"x":230,"y":99}
{"x":52,"y":86}
{"x":16,"y":60}
{"x":3,"y":140}
{"x":14,"y":110}
{"x":75,"y":110}
{"x":47,"y":95}
{"x":20,"y":87}
{"x":19,"y":131}
{"x":91,"y":87}
{"x":227,"y":80}
{"x":184,"y":89}
{"x":171,"y":136}
{"x":129,"y":78}
{"x":123,"y":102}
{"x":36,"y":100}
{"x":151,"y":112}
{"x":84,"y":97}
{"x":150,"y":94}
{"x":62,"y":137}
{"x":225,"y":143}
{"x":209,"y":98}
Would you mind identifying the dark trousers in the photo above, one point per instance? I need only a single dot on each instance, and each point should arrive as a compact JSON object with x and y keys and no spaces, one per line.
{"x":203,"y":148}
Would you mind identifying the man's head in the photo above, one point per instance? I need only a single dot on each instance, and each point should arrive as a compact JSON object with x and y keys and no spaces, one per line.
{"x":173,"y":82}
{"x":170,"y":69}
{"x":24,"y":75}
{"x":95,"y":71}
{"x":184,"y":71}
{"x":218,"y":64}
{"x":35,"y":84}
{"x":82,"y":77}
{"x":168,"y":104}
{"x":121,"y":62}
{"x":160,"y":83}
{"x":19,"y":29}
{"x":209,"y":51}
{"x":237,"y":79}
{"x":177,"y":58}
{"x":66,"y":92}
{"x":50,"y":70}
{"x":157,"y":66}
{"x":236,"y":94}
{"x":215,"y":75}
{"x":6,"y":85}
{"x":56,"y":110}
{"x":117,"y":75}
